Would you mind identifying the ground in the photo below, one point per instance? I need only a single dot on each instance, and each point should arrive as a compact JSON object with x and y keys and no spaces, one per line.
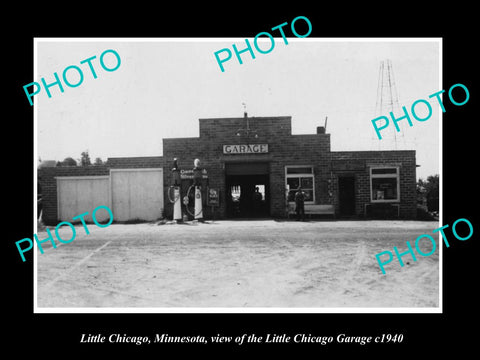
{"x":260,"y":263}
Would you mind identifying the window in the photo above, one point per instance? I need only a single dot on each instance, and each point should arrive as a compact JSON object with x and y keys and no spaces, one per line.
{"x":384,"y":184}
{"x":297,"y":176}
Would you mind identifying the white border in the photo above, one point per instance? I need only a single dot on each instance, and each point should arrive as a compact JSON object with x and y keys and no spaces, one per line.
{"x":342,"y":310}
{"x":35,"y":179}
{"x":237,"y":310}
{"x":440,"y":172}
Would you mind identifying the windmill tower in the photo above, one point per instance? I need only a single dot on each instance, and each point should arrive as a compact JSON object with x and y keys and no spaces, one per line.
{"x":387,"y":100}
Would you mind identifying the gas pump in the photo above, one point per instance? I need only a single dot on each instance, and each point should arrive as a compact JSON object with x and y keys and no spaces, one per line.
{"x":197,"y":188}
{"x":177,"y":207}
{"x":197,"y":183}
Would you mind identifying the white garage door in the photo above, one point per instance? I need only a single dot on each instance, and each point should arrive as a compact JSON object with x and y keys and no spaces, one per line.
{"x":137,"y":194}
{"x":77,"y":195}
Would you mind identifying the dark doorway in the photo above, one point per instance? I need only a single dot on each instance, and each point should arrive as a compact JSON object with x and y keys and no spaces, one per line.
{"x":247,"y":194}
{"x":346,"y":191}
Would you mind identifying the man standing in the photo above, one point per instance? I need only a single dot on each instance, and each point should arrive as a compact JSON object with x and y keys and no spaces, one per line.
{"x":300,"y":204}
{"x":257,"y":201}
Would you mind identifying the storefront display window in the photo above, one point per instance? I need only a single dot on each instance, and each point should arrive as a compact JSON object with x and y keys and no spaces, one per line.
{"x":384,"y":184}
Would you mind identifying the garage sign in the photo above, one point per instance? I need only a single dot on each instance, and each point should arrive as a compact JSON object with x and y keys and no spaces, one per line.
{"x":245,"y":149}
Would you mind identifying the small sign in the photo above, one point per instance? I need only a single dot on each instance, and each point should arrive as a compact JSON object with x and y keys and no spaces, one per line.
{"x":245,"y":149}
{"x":213,"y":198}
{"x":188,"y":174}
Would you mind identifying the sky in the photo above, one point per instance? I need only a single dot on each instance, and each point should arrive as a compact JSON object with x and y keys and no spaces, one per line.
{"x":163,"y":86}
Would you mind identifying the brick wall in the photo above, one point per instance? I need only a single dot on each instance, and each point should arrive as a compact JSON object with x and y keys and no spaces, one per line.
{"x":358,"y":163}
{"x":135,"y":162}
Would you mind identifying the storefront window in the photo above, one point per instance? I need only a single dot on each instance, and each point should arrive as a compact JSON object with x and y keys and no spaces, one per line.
{"x":297,"y":176}
{"x":384,"y":184}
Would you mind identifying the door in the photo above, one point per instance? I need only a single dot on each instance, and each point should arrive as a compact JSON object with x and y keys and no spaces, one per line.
{"x":346,"y":191}
{"x":77,"y":195}
{"x":137,"y":194}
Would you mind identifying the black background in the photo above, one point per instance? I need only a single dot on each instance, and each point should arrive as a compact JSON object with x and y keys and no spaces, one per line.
{"x":58,"y":335}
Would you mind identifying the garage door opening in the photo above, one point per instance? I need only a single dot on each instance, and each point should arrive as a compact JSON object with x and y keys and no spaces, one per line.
{"x":247,"y":190}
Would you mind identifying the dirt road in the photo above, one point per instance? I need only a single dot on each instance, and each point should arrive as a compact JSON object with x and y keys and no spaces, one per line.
{"x":315,"y":264}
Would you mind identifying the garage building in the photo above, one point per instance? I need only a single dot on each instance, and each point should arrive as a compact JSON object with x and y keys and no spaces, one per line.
{"x":240,"y":155}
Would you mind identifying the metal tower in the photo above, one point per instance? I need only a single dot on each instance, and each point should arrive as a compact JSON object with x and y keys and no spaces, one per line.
{"x":387,"y":95}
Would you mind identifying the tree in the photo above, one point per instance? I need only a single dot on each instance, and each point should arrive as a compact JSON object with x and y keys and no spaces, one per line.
{"x":85,"y":159}
{"x":68,"y":161}
{"x":428,"y":192}
{"x":98,"y":161}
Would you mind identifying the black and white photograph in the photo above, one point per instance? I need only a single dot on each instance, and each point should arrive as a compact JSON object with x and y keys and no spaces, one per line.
{"x":206,"y":179}
{"x":253,"y":186}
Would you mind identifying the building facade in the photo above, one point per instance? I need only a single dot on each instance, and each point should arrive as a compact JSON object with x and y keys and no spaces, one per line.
{"x":254,"y":165}
{"x":241,"y":154}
